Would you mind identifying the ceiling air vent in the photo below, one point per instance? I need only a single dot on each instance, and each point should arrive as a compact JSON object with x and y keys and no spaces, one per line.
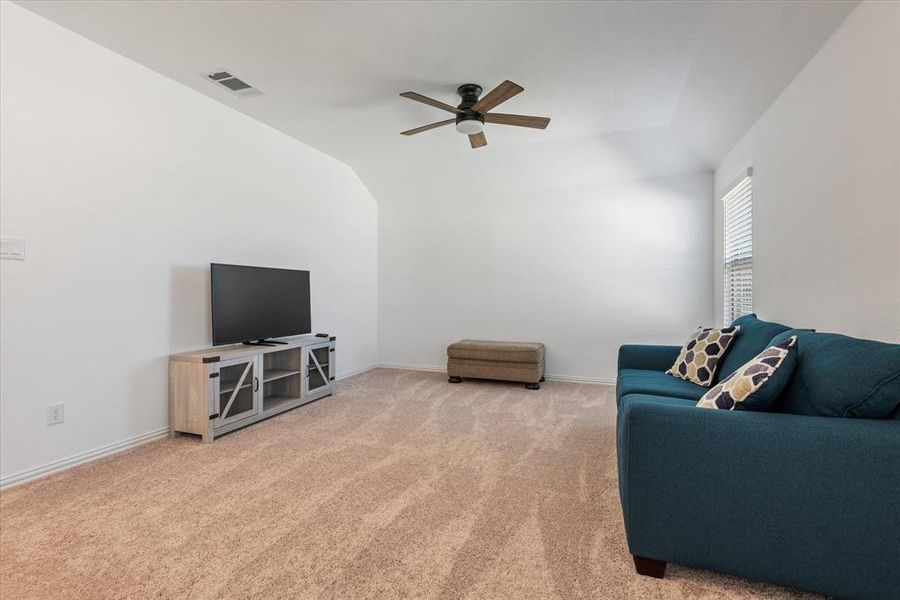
{"x":231,"y":83}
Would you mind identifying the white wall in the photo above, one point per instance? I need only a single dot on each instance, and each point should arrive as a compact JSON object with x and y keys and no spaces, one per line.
{"x":583,"y":244}
{"x":125,"y":186}
{"x":826,"y":186}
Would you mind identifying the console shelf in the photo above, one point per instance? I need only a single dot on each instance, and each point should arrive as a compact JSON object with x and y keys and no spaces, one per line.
{"x":274,"y":402}
{"x":228,"y":388}
{"x":275,"y":374}
{"x":212,"y":392}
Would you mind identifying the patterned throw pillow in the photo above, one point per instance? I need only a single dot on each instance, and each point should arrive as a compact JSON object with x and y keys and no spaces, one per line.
{"x":698,"y":360}
{"x":757,"y":384}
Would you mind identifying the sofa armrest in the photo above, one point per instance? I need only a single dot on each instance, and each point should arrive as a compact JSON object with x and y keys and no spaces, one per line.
{"x":648,"y":357}
{"x":808,"y":502}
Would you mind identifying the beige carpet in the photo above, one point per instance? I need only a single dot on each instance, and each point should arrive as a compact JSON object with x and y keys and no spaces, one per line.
{"x":400,"y":486}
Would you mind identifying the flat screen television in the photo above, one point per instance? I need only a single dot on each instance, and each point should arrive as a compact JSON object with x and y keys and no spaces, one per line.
{"x":256,"y":303}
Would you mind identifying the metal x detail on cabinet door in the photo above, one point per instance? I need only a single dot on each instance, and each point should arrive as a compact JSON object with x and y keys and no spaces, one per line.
{"x":237,"y":388}
{"x":315,"y":360}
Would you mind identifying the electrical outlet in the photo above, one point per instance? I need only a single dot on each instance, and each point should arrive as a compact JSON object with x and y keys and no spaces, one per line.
{"x":12,"y":248}
{"x":56,"y":413}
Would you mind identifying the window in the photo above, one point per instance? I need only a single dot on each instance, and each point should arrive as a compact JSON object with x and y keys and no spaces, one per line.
{"x":739,"y":249}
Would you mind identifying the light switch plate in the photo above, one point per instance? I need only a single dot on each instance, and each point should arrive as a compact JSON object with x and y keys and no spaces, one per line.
{"x":12,"y":248}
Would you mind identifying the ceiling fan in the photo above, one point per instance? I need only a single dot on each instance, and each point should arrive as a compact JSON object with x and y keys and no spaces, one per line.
{"x":472,"y":113}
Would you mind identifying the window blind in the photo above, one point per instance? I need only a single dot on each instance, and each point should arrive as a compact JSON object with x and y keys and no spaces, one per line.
{"x":738,"y":250}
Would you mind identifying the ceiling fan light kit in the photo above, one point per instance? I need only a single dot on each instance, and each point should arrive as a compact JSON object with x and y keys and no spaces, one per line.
{"x":473,"y":112}
{"x":468,"y":121}
{"x":469,"y":125}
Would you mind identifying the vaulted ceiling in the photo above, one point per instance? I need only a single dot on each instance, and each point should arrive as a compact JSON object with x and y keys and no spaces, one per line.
{"x":676,"y":82}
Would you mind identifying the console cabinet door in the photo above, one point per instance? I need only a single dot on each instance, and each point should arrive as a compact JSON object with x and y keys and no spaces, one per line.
{"x":317,"y":382}
{"x":237,"y":390}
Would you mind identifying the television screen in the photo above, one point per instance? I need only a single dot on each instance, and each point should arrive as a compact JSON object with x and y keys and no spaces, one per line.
{"x":255,"y":303}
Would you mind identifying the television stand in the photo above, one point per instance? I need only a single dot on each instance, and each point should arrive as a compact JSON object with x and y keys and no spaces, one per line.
{"x":214,"y":391}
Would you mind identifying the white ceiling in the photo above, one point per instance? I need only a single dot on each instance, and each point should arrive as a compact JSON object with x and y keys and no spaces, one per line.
{"x":698,"y":73}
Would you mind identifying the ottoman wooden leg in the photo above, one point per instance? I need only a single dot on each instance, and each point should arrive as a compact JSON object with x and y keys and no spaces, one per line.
{"x":650,"y":567}
{"x":533,"y":386}
{"x":454,"y":379}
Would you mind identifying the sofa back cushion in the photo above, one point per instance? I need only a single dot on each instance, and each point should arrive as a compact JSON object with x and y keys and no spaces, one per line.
{"x":786,"y":335}
{"x":754,"y":337}
{"x":841,"y":376}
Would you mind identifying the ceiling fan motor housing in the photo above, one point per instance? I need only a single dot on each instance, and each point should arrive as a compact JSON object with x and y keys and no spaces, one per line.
{"x":469,"y":121}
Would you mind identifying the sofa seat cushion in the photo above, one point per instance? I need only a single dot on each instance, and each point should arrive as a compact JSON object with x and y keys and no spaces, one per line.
{"x":656,"y":383}
{"x":754,"y":337}
{"x":841,"y":376}
{"x":515,"y":352}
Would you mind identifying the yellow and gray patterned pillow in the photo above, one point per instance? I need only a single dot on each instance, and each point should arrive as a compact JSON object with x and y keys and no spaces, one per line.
{"x":698,"y":360}
{"x":758,"y":383}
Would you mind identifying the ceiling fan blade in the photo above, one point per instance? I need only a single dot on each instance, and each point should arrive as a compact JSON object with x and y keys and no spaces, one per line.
{"x":517,"y":120}
{"x":430,"y":102}
{"x":477,"y":140}
{"x":427,"y":127}
{"x":496,"y":96}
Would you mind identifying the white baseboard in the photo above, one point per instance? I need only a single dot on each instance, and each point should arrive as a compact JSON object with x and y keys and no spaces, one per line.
{"x":409,"y":367}
{"x":580,"y":379}
{"x":356,"y":371}
{"x":81,"y":458}
{"x":443,"y":369}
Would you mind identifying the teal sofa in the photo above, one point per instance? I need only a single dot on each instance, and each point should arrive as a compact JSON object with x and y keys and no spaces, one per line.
{"x":806,"y":495}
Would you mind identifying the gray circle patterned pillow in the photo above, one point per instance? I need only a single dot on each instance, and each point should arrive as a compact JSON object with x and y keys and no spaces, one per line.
{"x":700,"y":358}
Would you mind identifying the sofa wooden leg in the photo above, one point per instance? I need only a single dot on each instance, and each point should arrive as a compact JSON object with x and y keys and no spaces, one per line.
{"x":542,"y":380}
{"x":533,"y":386}
{"x":650,"y":567}
{"x":454,"y":379}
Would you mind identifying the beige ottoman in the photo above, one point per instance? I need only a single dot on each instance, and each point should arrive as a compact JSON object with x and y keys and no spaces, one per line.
{"x":507,"y":361}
